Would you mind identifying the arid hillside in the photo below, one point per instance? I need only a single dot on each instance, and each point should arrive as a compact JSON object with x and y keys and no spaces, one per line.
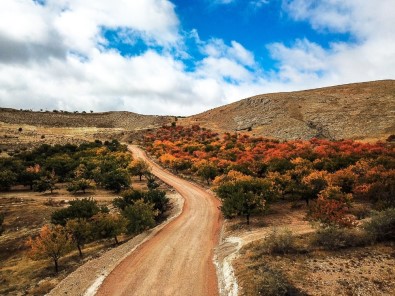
{"x":352,"y":111}
{"x":124,"y":120}
{"x":356,"y":111}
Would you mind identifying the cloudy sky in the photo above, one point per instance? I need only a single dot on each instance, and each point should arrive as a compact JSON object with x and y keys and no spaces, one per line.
{"x":181,"y":57}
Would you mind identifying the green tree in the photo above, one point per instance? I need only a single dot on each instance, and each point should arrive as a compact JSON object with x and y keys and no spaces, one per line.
{"x":84,"y":208}
{"x":7,"y":179}
{"x":80,"y":184}
{"x":140,"y":216}
{"x":81,"y":232}
{"x":52,"y":243}
{"x":245,"y":197}
{"x":207,"y":171}
{"x":46,"y":183}
{"x":108,"y":225}
{"x":139,"y":168}
{"x":151,"y":181}
{"x":116,"y":180}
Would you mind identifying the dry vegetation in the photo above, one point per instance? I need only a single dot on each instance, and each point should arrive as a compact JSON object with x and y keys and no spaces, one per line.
{"x":26,"y":212}
{"x":353,"y":111}
{"x":280,"y":256}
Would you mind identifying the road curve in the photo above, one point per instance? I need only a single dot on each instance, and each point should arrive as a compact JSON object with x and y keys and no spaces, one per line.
{"x":178,"y":260}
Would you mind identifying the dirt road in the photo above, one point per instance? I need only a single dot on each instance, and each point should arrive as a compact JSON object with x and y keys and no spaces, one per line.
{"x":179,"y":259}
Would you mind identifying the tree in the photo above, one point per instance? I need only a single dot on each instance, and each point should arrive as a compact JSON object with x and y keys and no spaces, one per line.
{"x":316,"y":181}
{"x":245,"y":197}
{"x":46,"y":183}
{"x":52,"y":243}
{"x":30,"y":175}
{"x":332,"y":208}
{"x":116,"y":180}
{"x":140,"y":216}
{"x":80,"y":184}
{"x":81,"y":232}
{"x":139,"y":168}
{"x":108,"y":225}
{"x":84,"y":208}
{"x":7,"y":179}
{"x":207,"y":171}
{"x":151,"y":181}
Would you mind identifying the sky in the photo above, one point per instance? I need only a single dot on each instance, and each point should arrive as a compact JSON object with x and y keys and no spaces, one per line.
{"x":182,"y":57}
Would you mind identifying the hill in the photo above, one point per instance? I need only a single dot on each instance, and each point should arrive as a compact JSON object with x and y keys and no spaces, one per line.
{"x":357,"y":111}
{"x":124,"y":120}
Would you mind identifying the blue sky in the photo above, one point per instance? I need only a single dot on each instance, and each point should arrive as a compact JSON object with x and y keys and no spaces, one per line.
{"x":183,"y":57}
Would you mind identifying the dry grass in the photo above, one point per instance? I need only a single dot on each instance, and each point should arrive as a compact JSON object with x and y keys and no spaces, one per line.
{"x":308,"y":268}
{"x":26,"y":212}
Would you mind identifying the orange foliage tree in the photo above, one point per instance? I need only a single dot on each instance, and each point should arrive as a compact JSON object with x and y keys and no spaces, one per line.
{"x":51,"y":243}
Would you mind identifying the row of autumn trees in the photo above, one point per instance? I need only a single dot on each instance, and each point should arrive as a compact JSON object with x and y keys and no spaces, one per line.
{"x":84,"y":221}
{"x":248,"y":173}
{"x":107,"y":165}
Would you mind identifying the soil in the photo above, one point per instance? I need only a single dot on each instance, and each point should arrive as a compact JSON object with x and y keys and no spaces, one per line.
{"x":312,"y":270}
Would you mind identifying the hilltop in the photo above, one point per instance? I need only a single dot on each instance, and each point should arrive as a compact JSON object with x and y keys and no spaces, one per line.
{"x":353,"y":111}
{"x":124,"y":120}
{"x":360,"y":111}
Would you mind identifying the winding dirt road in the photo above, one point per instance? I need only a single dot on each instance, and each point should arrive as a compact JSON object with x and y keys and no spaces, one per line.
{"x":179,"y":259}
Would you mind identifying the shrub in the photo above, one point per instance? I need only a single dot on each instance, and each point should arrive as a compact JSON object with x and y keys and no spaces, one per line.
{"x":333,"y":238}
{"x":279,"y":242}
{"x":382,"y":225}
{"x":272,"y":282}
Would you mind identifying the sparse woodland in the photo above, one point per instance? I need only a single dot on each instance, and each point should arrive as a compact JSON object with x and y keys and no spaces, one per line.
{"x":83,"y":221}
{"x":347,"y":188}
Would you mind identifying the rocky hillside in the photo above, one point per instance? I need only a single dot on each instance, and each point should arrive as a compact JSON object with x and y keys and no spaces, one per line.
{"x":125,"y":120}
{"x":357,"y":111}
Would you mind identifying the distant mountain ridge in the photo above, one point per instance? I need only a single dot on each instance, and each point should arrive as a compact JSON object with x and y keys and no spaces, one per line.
{"x":352,"y":111}
{"x":114,"y":119}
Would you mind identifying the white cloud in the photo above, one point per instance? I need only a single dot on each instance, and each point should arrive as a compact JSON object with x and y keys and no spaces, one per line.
{"x":370,"y":57}
{"x":55,"y":56}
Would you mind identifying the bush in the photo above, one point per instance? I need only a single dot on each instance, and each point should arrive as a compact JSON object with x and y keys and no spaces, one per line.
{"x":333,"y":238}
{"x":279,"y":242}
{"x":382,"y":226}
{"x":273,"y":283}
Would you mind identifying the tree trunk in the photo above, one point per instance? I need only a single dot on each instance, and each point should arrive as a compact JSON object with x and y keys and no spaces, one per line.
{"x":56,"y":265}
{"x":248,"y":219}
{"x":79,"y":250}
{"x":140,"y":177}
{"x":116,"y":240}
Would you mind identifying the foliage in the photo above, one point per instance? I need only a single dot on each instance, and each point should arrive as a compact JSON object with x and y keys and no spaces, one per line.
{"x":52,"y":243}
{"x":382,"y":225}
{"x":115,"y":180}
{"x":80,"y":185}
{"x":84,"y":208}
{"x":157,"y":198}
{"x":7,"y":179}
{"x":272,"y":282}
{"x":299,"y":169}
{"x":46,"y":183}
{"x":140,"y":216}
{"x":81,"y":232}
{"x":279,"y":242}
{"x":244,"y":196}
{"x":332,"y":208}
{"x":139,"y":168}
{"x":333,"y":238}
{"x":108,"y":225}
